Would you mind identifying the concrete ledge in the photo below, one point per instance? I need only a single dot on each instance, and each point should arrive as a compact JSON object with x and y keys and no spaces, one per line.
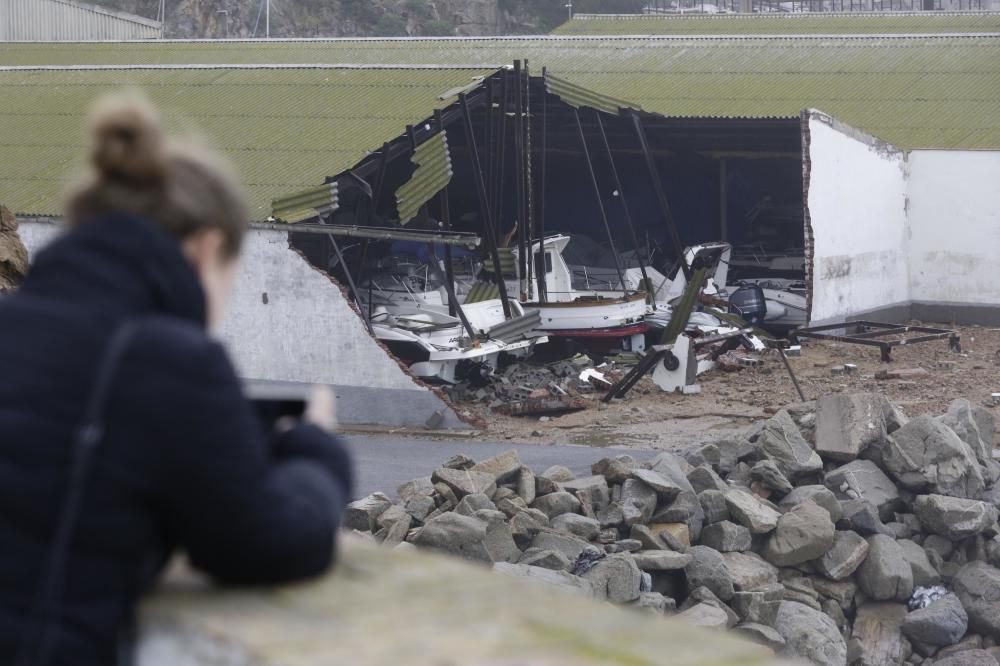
{"x":389,"y":607}
{"x":970,"y":314}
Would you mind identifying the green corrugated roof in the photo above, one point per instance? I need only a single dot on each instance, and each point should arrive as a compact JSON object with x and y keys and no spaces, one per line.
{"x":284,"y":129}
{"x":433,"y":173}
{"x":802,"y":23}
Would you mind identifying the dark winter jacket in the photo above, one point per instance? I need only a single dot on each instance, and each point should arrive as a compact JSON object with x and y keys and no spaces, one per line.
{"x":184,"y":463}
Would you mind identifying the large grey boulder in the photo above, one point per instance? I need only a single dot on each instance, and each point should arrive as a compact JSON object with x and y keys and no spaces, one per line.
{"x":548,"y":577}
{"x":767,"y":475}
{"x":577,"y":525}
{"x":973,"y":425}
{"x":760,"y":605}
{"x":547,"y":559}
{"x":708,"y":568}
{"x":422,"y":487}
{"x":943,"y":622}
{"x":469,"y":537}
{"x":593,"y":489}
{"x":615,"y":470}
{"x":968,"y":658}
{"x":780,"y":440}
{"x":953,"y":517}
{"x":665,"y":488}
{"x":885,"y":575}
{"x":362,"y":514}
{"x":819,"y":494}
{"x":927,"y":456}
{"x":879,"y":636}
{"x":503,"y":467}
{"x":705,"y":615}
{"x":748,"y":510}
{"x":862,"y":479}
{"x":469,"y":504}
{"x":638,"y":502}
{"x":686,"y":508}
{"x":661,"y":560}
{"x":845,"y":555}
{"x":924,"y":573}
{"x":726,"y":537}
{"x":713,"y":506}
{"x":615,"y":578}
{"x":802,"y":534}
{"x":810,"y":634}
{"x":761,"y":634}
{"x":862,"y":517}
{"x":749,"y":571}
{"x":977,"y":586}
{"x":674,"y":468}
{"x":557,"y":503}
{"x":465,"y":482}
{"x":846,"y":425}
{"x":569,"y":546}
{"x":704,"y":478}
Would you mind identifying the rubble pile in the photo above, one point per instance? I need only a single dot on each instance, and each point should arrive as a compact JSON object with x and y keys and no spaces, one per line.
{"x":838,"y":531}
{"x":531,"y":388}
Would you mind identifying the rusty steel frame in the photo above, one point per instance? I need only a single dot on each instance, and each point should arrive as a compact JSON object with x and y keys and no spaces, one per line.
{"x":868,"y":332}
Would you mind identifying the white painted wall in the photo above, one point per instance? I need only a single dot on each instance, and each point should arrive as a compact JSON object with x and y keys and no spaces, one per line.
{"x":857,"y":205}
{"x":954,"y":219}
{"x":305,"y":332}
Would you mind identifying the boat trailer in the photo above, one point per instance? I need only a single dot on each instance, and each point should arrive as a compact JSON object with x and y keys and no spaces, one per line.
{"x":876,"y":334}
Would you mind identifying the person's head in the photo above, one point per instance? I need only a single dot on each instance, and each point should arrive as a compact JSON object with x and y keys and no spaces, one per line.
{"x":186,"y":190}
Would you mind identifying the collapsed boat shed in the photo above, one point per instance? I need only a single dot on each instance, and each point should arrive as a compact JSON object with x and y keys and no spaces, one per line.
{"x":832,"y":156}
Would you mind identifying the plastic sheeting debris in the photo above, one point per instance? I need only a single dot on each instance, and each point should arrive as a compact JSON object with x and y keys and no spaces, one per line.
{"x":925,"y":596}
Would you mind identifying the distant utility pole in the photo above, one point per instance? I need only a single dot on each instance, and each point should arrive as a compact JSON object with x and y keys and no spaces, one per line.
{"x":226,"y":12}
{"x":267,"y":21}
{"x":569,"y":7}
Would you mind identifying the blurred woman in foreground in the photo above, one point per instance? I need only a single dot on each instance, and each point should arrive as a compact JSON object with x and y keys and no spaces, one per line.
{"x":124,"y":434}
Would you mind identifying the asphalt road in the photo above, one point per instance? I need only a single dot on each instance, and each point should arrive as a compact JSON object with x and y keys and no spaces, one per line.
{"x":383,"y":463}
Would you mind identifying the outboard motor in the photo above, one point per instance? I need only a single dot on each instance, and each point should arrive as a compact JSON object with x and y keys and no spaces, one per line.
{"x":748,"y":302}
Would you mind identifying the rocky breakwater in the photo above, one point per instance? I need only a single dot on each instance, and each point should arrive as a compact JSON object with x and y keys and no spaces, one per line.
{"x":837,"y":531}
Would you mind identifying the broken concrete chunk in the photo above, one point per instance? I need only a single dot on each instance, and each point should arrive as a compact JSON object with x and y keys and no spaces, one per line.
{"x":638,"y":502}
{"x":459,"y":461}
{"x":803,"y":534}
{"x":569,"y":546}
{"x":469,"y":504}
{"x":810,"y":634}
{"x":465,"y":482}
{"x":362,"y":514}
{"x":579,"y":526}
{"x":977,"y":586}
{"x":547,"y":559}
{"x":943,"y":622}
{"x":952,"y":517}
{"x":885,"y":575}
{"x":749,"y":571}
{"x":503,"y":467}
{"x":705,"y":615}
{"x":661,"y":560}
{"x":615,"y":578}
{"x":727,"y":537}
{"x":526,"y":485}
{"x":545,"y":576}
{"x":594,"y":488}
{"x":713,"y":506}
{"x":767,"y":474}
{"x":862,"y":479}
{"x":615,"y":470}
{"x":781,"y":441}
{"x":845,"y":555}
{"x":470,"y":538}
{"x":846,"y":425}
{"x":704,"y":478}
{"x":555,"y":504}
{"x":422,"y":487}
{"x":708,"y":568}
{"x":749,"y":511}
{"x":665,"y":489}
{"x":927,"y":456}
{"x":878,"y":630}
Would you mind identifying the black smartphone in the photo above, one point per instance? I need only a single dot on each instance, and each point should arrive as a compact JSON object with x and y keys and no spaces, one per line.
{"x":273,"y":401}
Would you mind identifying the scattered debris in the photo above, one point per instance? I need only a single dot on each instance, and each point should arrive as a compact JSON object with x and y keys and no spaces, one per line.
{"x":821,"y":544}
{"x":540,"y":406}
{"x":902,"y":373}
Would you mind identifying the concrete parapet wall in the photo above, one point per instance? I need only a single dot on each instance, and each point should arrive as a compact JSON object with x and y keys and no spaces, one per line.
{"x":388,"y":607}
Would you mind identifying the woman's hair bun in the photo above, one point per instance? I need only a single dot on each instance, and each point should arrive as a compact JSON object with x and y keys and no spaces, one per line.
{"x":128,"y":141}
